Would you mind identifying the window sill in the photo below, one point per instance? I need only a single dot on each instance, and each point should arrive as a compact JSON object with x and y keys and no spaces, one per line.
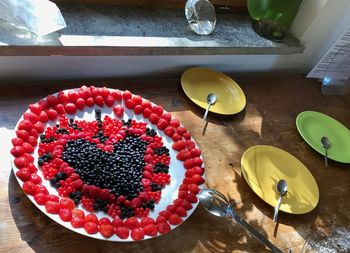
{"x":95,"y":30}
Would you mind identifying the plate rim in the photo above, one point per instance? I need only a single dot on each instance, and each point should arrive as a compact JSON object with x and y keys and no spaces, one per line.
{"x":298,"y":120}
{"x":283,"y":151}
{"x":235,"y":84}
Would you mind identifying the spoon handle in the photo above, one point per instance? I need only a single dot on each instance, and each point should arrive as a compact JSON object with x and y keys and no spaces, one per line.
{"x":277,"y":208}
{"x":326,"y":158}
{"x":206,"y":112}
{"x":251,"y":230}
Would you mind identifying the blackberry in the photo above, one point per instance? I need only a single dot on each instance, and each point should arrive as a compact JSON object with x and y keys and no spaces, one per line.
{"x":48,"y":140}
{"x":126,"y":212}
{"x":44,"y":158}
{"x":156,"y":187}
{"x":100,"y":204}
{"x":161,"y":151}
{"x":75,"y":196}
{"x":151,"y":132}
{"x":62,"y":130}
{"x":161,"y":168}
{"x":127,"y":123}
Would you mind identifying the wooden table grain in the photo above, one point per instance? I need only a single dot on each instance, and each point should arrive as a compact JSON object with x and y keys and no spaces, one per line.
{"x":273,"y":102}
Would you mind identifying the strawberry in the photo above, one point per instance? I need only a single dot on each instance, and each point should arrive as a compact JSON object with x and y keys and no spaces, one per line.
{"x":190,"y":144}
{"x":197,"y":179}
{"x":104,"y":221}
{"x":23,"y":174}
{"x":188,"y":163}
{"x":60,"y":109}
{"x":187,"y":136}
{"x":32,"y":117}
{"x":193,"y":188}
{"x":90,"y":227}
{"x":80,"y":104}
{"x":169,"y":131}
{"x":161,"y":219}
{"x":51,"y":100}
{"x":70,"y":108}
{"x":182,"y":194}
{"x":154,"y":118}
{"x":163,"y":228}
{"x":78,"y":213}
{"x":175,"y":219}
{"x":183,"y":187}
{"x":122,"y":232}
{"x":106,"y":230}
{"x":28,"y":187}
{"x":176,"y":137}
{"x":65,"y":214}
{"x":178,"y":202}
{"x":52,"y":207}
{"x":53,"y":198}
{"x":73,"y":96}
{"x":187,"y":205}
{"x":89,"y":102}
{"x":174,"y":123}
{"x":105,"y":92}
{"x":84,"y":92}
{"x":62,"y":97}
{"x":162,"y":124}
{"x":34,"y":133}
{"x":181,"y":130}
{"x":95,"y":91}
{"x":150,"y":230}
{"x":181,"y":211}
{"x":137,"y":234}
{"x":43,"y":117}
{"x":145,"y":221}
{"x":91,"y":218}
{"x":198,"y":170}
{"x":171,"y":208}
{"x":99,"y":101}
{"x":195,"y":152}
{"x":197,"y":161}
{"x":27,"y":147}
{"x":127,"y":95}
{"x":190,"y":172}
{"x":17,"y":151}
{"x":138,"y":109}
{"x":191,"y":198}
{"x":39,"y":126}
{"x":183,"y":155}
{"x":109,"y":101}
{"x":165,"y":213}
{"x":67,"y":203}
{"x":25,"y":125}
{"x":117,"y":222}
{"x":51,"y":114}
{"x":166,"y":116}
{"x":116,"y":94}
{"x":132,"y":223}
{"x":146,"y":112}
{"x":179,"y":145}
{"x":17,"y":141}
{"x":129,"y":104}
{"x":22,"y":134}
{"x":43,"y":104}
{"x":158,"y":109}
{"x":146,"y":104}
{"x":36,"y":179}
{"x":77,"y":222}
{"x":118,"y":110}
{"x":35,"y":108}
{"x":40,"y":198}
{"x":137,"y":99}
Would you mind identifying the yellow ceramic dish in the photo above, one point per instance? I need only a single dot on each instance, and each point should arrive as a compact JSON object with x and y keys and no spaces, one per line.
{"x":263,"y":166}
{"x":198,"y":82}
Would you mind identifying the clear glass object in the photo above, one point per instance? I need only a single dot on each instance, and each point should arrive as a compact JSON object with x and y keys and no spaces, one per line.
{"x":200,"y":15}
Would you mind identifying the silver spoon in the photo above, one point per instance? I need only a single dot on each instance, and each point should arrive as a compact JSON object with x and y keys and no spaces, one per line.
{"x":211,"y":99}
{"x":282,"y":189}
{"x":326,"y":145}
{"x":217,"y":204}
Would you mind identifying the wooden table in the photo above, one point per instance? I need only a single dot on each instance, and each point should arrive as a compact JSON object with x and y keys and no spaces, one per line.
{"x":273,"y":102}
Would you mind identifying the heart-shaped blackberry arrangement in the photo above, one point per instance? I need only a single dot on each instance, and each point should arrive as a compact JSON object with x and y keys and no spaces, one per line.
{"x":109,"y":171}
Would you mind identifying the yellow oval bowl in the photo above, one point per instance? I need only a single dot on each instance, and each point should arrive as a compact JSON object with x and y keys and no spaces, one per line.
{"x":263,"y":166}
{"x":198,"y":82}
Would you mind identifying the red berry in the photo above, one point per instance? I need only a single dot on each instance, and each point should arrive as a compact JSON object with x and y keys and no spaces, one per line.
{"x":99,"y":101}
{"x":158,"y":109}
{"x":146,"y":112}
{"x":67,"y":203}
{"x":169,"y":131}
{"x":174,"y":123}
{"x":109,"y":101}
{"x":190,"y":144}
{"x":78,"y":213}
{"x":51,"y":114}
{"x":80,"y":103}
{"x":77,"y":222}
{"x":40,"y":198}
{"x":146,"y":104}
{"x":132,"y":223}
{"x":106,"y":230}
{"x":52,"y":207}
{"x":150,"y":230}
{"x":105,"y":92}
{"x":39,"y":127}
{"x":175,"y":219}
{"x":183,"y":155}
{"x":17,"y":141}
{"x":43,"y":104}
{"x":127,"y":95}
{"x":27,"y":147}
{"x":129,"y":104}
{"x":22,"y":134}
{"x":162,"y":124}
{"x":52,"y":100}
{"x":197,"y":179}
{"x":193,"y":188}
{"x":122,"y":232}
{"x":181,"y":211}
{"x":176,"y":137}
{"x":39,"y":188}
{"x":65,"y":214}
{"x":181,"y":130}
{"x":91,"y":218}
{"x":137,"y":99}
{"x":32,"y":117}
{"x":43,"y":117}
{"x":138,"y":109}
{"x":73,"y":96}
{"x":53,"y":198}
{"x":165,"y":213}
{"x":28,"y":187}
{"x":25,"y":125}
{"x":187,"y":135}
{"x":166,"y":116}
{"x":182,"y":194}
{"x":34,"y":133}
{"x":62,"y":97}
{"x":197,"y":161}
{"x":60,"y":109}
{"x":90,"y":227}
{"x":70,"y":108}
{"x":163,"y":228}
{"x":161,"y":219}
{"x":35,"y":108}
{"x":195,"y":152}
{"x":118,"y":110}
{"x":137,"y":234}
{"x":116,"y":94}
{"x":36,"y":179}
{"x":191,"y":198}
{"x":154,"y":118}
{"x":23,"y":174}
{"x":179,"y":145}
{"x":117,"y":222}
{"x":17,"y":151}
{"x":89,"y":102}
{"x":104,"y":221}
{"x":145,"y":221}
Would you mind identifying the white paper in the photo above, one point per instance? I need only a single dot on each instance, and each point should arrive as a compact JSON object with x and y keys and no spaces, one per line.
{"x":335,"y":63}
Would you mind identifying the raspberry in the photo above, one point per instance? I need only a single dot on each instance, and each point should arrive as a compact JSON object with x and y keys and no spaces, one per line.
{"x":70,"y":108}
{"x":52,"y":207}
{"x":137,"y":234}
{"x":132,"y":223}
{"x":91,"y":218}
{"x":106,"y":230}
{"x":122,"y":232}
{"x":175,"y":219}
{"x":150,"y":230}
{"x":28,"y":187}
{"x":90,"y":227}
{"x":77,"y":222}
{"x":35,"y":108}
{"x":145,"y":221}
{"x":65,"y":214}
{"x":40,"y":198}
{"x":67,"y":203}
{"x":163,"y":228}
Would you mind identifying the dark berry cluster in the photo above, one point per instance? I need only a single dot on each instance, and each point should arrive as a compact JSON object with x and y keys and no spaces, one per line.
{"x":161,"y":168}
{"x":151,"y":132}
{"x":161,"y":151}
{"x":44,"y":158}
{"x":75,"y":196}
{"x":43,"y":139}
{"x":56,"y":179}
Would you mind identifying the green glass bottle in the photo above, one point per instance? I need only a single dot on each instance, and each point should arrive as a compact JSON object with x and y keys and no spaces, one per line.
{"x":272,"y":18}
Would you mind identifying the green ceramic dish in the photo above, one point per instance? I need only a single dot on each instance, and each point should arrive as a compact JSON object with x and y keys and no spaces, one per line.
{"x":313,"y":125}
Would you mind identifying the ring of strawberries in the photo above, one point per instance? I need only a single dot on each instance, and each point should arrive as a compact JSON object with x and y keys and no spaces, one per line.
{"x":106,"y":165}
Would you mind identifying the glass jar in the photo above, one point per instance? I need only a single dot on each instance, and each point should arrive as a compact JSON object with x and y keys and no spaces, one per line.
{"x":200,"y":15}
{"x":272,"y":18}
